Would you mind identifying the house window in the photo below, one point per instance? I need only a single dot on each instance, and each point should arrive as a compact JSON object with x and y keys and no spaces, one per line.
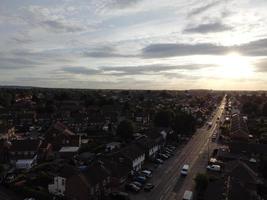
{"x":63,"y":182}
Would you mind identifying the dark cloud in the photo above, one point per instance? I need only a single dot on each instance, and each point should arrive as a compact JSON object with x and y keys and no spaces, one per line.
{"x":164,"y":50}
{"x":204,"y":8}
{"x":120,"y":71}
{"x":208,"y":28}
{"x":121,"y":3}
{"x":16,"y":63}
{"x":261,"y":66}
{"x":253,"y":48}
{"x":81,"y":70}
{"x":106,"y":52}
{"x":179,"y":49}
{"x":150,"y":69}
{"x":59,"y":26}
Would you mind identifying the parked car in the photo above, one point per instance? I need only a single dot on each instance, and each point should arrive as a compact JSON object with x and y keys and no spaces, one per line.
{"x":132,"y":187}
{"x":148,"y":187}
{"x":185,"y":170}
{"x":163,"y":156}
{"x":168,"y":150}
{"x":119,"y":196}
{"x":158,"y":161}
{"x":138,"y":184}
{"x":216,"y":168}
{"x":140,"y":179}
{"x":171,"y":147}
{"x":146,"y":173}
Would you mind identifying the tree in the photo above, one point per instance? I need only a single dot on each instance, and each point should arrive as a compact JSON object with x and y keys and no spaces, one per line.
{"x":201,"y":181}
{"x":250,"y":108}
{"x":264,"y":110}
{"x":184,"y":123}
{"x":164,"y":118}
{"x":125,"y":130}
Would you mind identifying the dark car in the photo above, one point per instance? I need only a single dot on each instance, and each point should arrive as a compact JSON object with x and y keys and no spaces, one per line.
{"x":140,"y":179}
{"x":148,"y":187}
{"x":119,"y":196}
{"x":138,"y":184}
{"x":163,"y":156}
{"x":132,"y":187}
{"x":158,"y":161}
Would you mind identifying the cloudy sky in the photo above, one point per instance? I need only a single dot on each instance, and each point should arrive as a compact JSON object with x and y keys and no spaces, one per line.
{"x":134,"y":44}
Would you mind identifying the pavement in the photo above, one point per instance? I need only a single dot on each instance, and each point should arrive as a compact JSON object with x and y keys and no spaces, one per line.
{"x":166,"y":178}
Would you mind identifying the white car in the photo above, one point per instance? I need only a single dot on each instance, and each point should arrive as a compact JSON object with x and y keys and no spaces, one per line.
{"x":188,"y":195}
{"x":216,"y":168}
{"x":184,"y":170}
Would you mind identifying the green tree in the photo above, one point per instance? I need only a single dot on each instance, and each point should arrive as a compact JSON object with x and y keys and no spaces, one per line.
{"x":184,"y":123}
{"x":201,"y":181}
{"x":163,"y":118}
{"x":264,"y":110}
{"x":125,"y":130}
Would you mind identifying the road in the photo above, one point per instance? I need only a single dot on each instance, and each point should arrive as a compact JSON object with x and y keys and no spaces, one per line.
{"x":167,"y":180}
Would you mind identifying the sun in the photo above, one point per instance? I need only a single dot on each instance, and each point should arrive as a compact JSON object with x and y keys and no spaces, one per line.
{"x":234,"y":66}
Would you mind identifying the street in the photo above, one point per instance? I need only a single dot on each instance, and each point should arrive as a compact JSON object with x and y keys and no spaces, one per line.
{"x":167,"y":180}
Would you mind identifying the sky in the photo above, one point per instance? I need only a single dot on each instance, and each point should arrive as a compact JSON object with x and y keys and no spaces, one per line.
{"x":134,"y":44}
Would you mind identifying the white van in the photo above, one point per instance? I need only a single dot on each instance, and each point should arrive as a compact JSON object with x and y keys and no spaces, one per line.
{"x":184,"y":170}
{"x":188,"y":195}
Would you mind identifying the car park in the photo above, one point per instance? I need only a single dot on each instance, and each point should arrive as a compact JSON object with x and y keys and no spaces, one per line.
{"x":216,"y":168}
{"x":185,"y":169}
{"x":148,"y":187}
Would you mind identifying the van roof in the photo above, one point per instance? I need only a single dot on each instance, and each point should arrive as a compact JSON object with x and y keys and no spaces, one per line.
{"x":186,"y":166}
{"x":187,"y":195}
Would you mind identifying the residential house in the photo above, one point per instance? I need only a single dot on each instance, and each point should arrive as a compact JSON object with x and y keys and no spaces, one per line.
{"x":238,"y":129}
{"x":150,"y":146}
{"x":23,"y":153}
{"x":239,"y":182}
{"x":59,"y":136}
{"x":135,"y":155}
{"x":90,"y":182}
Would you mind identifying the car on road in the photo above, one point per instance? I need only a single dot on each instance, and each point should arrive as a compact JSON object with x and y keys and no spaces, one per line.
{"x":185,"y":169}
{"x":132,"y":187}
{"x":188,"y":195}
{"x":216,"y":168}
{"x":148,"y":187}
{"x":209,"y":124}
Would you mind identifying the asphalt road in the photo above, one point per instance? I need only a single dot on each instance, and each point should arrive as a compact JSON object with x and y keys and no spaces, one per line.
{"x":167,"y":180}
